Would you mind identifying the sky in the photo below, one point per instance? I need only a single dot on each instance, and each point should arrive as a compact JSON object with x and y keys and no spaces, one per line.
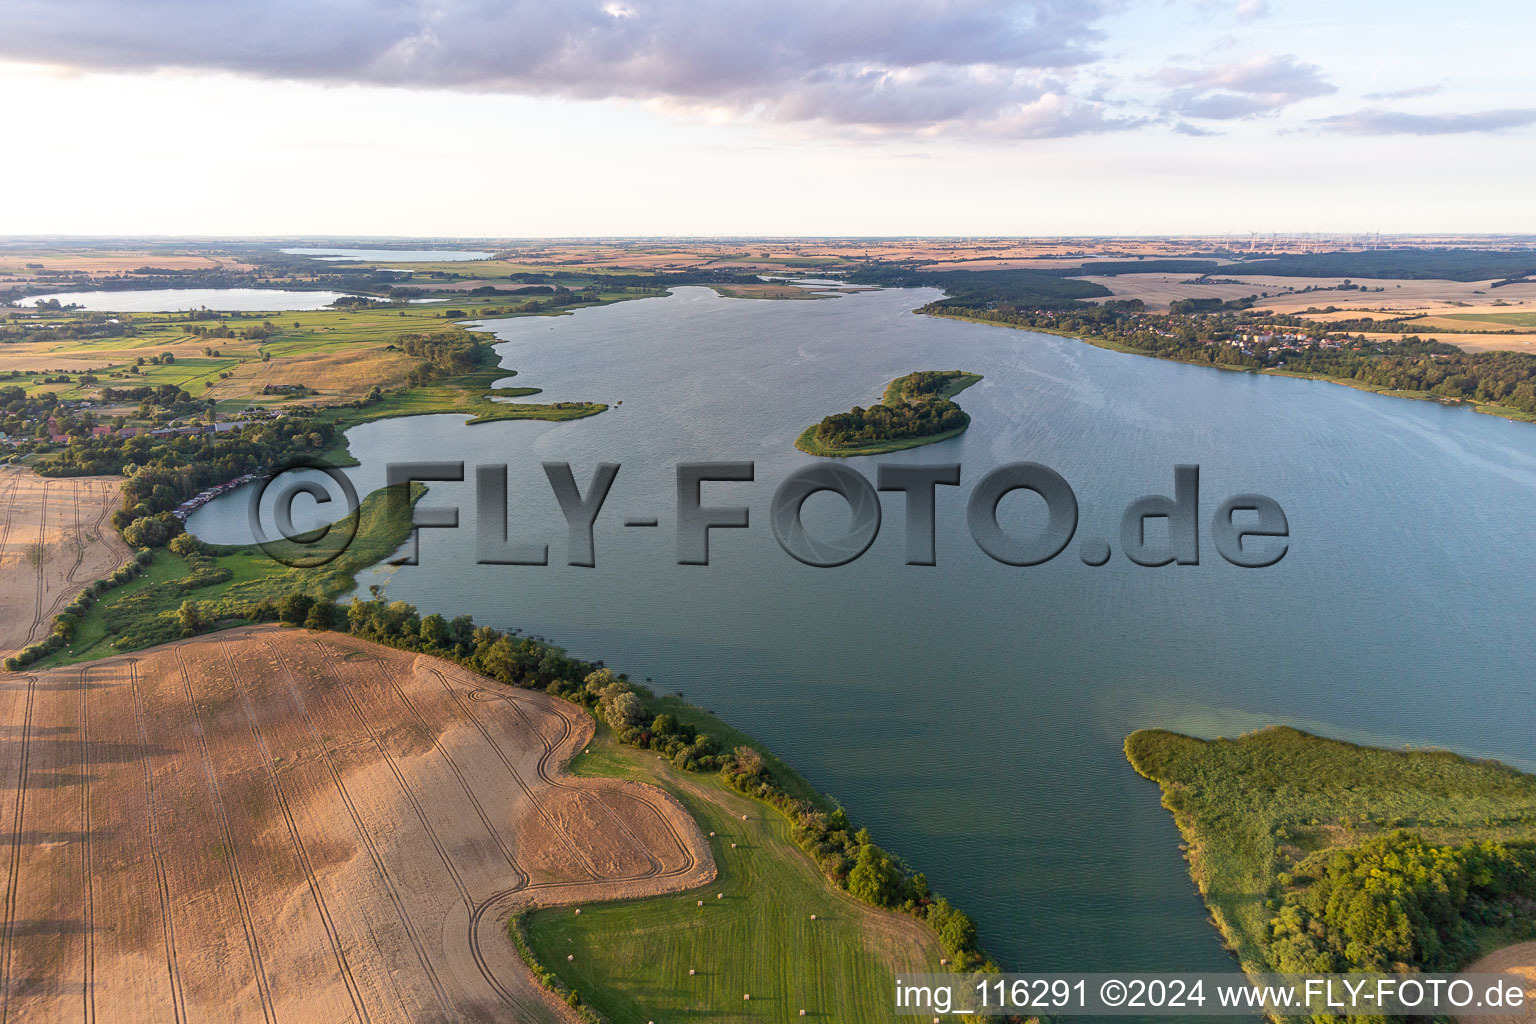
{"x":797,"y":117}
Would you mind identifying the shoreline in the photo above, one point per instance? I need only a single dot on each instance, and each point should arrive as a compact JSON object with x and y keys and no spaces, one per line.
{"x":1420,"y":396}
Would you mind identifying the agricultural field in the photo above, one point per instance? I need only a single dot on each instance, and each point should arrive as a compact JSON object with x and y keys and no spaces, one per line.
{"x":337,"y":355}
{"x":55,"y":537}
{"x":671,"y":958}
{"x":271,"y":824}
{"x":1286,"y":295}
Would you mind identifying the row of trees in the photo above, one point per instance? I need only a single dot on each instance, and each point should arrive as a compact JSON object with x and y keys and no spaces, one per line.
{"x":62,"y":630}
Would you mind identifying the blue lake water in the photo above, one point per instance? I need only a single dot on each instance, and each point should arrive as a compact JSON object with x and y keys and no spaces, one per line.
{"x":160,"y":300}
{"x":972,"y":713}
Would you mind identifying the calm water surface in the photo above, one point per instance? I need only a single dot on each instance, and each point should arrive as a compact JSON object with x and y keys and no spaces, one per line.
{"x":972,"y":714}
{"x":160,"y":300}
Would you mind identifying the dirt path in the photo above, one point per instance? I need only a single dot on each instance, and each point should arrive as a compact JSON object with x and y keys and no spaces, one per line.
{"x":276,"y":825}
{"x":55,"y":537}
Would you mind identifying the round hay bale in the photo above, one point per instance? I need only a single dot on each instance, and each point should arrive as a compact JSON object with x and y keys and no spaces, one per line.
{"x":692,"y":972}
{"x":719,"y":895}
{"x":701,"y":903}
{"x":569,"y":958}
{"x":578,"y":911}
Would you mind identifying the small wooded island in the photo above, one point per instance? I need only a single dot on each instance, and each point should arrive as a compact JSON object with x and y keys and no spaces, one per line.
{"x":1320,"y":856}
{"x":917,"y":409}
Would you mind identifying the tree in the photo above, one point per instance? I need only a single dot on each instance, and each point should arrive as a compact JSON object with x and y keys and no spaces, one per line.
{"x":434,"y":632}
{"x":498,"y":659}
{"x":186,"y":545}
{"x":152,"y":531}
{"x":322,"y":615}
{"x":958,"y":935}
{"x":294,"y":608}
{"x":875,"y":877}
{"x":190,"y":617}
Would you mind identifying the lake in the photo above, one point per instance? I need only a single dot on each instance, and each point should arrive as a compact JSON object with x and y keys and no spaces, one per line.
{"x":972,"y":714}
{"x":397,"y":255}
{"x":161,"y":300}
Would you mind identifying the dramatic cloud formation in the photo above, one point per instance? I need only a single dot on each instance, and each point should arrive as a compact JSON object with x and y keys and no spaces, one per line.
{"x":985,"y":70}
{"x":1260,"y":85}
{"x":872,"y":63}
{"x":1373,"y":121}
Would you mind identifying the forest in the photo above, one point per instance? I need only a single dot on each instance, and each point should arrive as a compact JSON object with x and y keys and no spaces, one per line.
{"x":1397,"y":902}
{"x":915,"y":406}
{"x":1399,"y":264}
{"x":986,"y":289}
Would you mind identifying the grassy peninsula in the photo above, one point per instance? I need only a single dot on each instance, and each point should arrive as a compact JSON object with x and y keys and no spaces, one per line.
{"x":633,"y":958}
{"x":1318,"y":855}
{"x":917,"y":409}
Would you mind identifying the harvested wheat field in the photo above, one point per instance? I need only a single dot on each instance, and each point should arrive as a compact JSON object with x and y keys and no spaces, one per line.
{"x":55,"y":537}
{"x":277,"y":825}
{"x":1518,"y":964}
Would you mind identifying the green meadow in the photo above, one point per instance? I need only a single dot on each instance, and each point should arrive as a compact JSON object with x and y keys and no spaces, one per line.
{"x":1261,"y":814}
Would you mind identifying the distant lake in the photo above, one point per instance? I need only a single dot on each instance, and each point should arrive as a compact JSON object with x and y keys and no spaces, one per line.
{"x":162,"y":300}
{"x":972,"y":713}
{"x":395,"y":255}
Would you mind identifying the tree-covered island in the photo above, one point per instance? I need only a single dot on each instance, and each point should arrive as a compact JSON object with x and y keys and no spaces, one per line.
{"x":917,"y":409}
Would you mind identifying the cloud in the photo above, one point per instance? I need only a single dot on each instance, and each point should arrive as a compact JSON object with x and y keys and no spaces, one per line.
{"x":1055,"y":115}
{"x":1374,"y":121}
{"x":1244,"y":10}
{"x":1260,"y":85}
{"x":1185,"y":128}
{"x":880,"y":64}
{"x":1249,"y":10}
{"x":1405,"y":94}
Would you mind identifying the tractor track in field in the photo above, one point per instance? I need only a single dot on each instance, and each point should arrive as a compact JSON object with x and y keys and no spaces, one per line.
{"x":87,"y":863}
{"x":231,"y":857}
{"x":301,"y":853}
{"x":162,"y":884}
{"x":13,"y":877}
{"x":381,"y":868}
